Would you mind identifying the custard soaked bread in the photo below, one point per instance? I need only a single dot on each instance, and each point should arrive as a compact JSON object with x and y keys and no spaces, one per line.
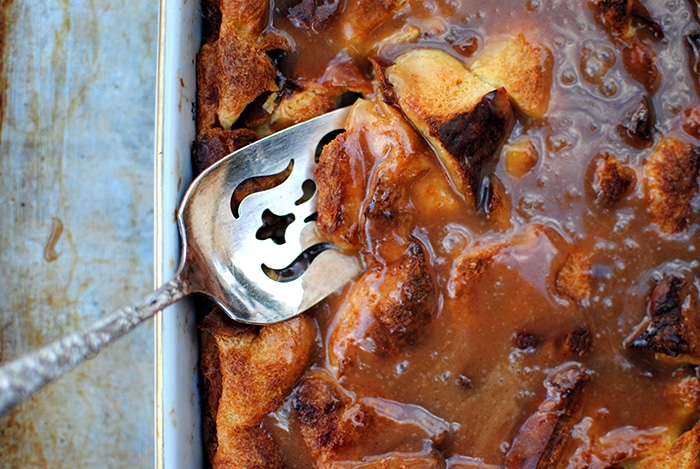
{"x":519,"y":181}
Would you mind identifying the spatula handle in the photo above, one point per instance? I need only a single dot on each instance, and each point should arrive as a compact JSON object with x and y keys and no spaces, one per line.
{"x":26,"y":375}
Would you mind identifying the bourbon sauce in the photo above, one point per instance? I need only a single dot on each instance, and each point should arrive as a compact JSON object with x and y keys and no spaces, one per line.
{"x":478,"y":370}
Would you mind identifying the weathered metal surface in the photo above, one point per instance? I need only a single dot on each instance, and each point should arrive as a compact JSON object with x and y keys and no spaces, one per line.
{"x":76,"y":172}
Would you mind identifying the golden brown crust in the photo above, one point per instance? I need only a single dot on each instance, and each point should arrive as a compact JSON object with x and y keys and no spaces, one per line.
{"x":335,"y":429}
{"x":469,"y":267}
{"x":683,"y":454}
{"x":249,"y":17}
{"x":301,"y":105}
{"x":541,"y":439}
{"x":573,"y":280}
{"x":243,"y":72}
{"x":671,"y":181}
{"x":233,"y":68}
{"x":214,"y":144}
{"x":249,"y":448}
{"x":207,"y":88}
{"x":247,"y":372}
{"x":465,"y":120}
{"x":523,"y":68}
{"x":387,"y":310}
{"x":338,"y":197}
{"x":672,"y":324}
{"x":363,"y":16}
{"x":611,"y":180}
{"x":342,"y":174}
{"x":320,"y":405}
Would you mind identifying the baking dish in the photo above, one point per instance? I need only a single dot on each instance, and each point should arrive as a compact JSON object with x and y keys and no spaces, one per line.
{"x":178,"y":421}
{"x":175,"y":403}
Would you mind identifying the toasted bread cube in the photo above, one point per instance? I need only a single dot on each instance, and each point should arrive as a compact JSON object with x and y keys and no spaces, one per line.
{"x":249,"y":17}
{"x":611,"y":179}
{"x":247,"y":373}
{"x":671,"y":181}
{"x":543,"y":436}
{"x":671,"y":328}
{"x":683,"y":454}
{"x":244,"y":72}
{"x":464,"y":119}
{"x":573,"y":279}
{"x":523,"y":68}
{"x":361,"y":17}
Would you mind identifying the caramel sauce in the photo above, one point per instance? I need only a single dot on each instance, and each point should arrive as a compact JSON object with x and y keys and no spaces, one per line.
{"x":479,"y":367}
{"x":50,"y":253}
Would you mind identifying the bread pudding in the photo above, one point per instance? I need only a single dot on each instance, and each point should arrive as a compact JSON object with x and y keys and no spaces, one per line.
{"x":519,"y":180}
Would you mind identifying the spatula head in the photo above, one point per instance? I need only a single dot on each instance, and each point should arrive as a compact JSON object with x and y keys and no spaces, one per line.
{"x":248,"y":230}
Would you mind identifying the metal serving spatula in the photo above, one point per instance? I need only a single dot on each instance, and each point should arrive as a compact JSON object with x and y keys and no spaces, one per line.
{"x":248,"y":242}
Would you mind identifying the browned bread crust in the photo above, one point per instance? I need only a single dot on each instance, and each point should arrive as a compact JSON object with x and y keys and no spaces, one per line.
{"x":522,"y":67}
{"x":683,"y":454}
{"x":612,"y":180}
{"x":671,"y":181}
{"x":248,"y":371}
{"x":465,"y":119}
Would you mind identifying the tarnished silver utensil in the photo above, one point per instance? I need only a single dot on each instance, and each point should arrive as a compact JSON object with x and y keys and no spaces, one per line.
{"x":246,"y":225}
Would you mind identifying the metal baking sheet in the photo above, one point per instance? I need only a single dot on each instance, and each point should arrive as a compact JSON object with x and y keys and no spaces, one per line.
{"x":76,"y":171}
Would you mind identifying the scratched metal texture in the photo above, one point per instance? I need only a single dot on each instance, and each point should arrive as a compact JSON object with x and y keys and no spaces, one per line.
{"x":76,"y":149}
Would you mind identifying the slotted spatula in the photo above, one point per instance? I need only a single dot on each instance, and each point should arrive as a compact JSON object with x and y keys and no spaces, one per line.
{"x":248,"y":242}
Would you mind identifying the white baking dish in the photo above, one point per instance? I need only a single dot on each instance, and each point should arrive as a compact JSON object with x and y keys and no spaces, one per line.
{"x":178,"y":420}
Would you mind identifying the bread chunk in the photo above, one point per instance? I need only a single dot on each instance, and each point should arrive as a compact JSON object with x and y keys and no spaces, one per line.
{"x":618,"y":17}
{"x":207,"y":89}
{"x":611,"y":180}
{"x":320,"y":407}
{"x":247,"y":373}
{"x":361,"y":17}
{"x":622,"y":19}
{"x":672,"y":324}
{"x":344,"y":170}
{"x":249,"y":17}
{"x":311,"y":14}
{"x":300,"y":106}
{"x":573,"y":280}
{"x":214,"y":144}
{"x":637,"y":127}
{"x":249,"y":448}
{"x":378,"y":175}
{"x":522,"y":67}
{"x":520,"y":158}
{"x":387,"y":310}
{"x":540,"y":440}
{"x":334,"y":428}
{"x":683,"y":454}
{"x":465,"y":119}
{"x":232,"y":67}
{"x":671,"y":182}
{"x":244,"y":72}
{"x":469,"y":267}
{"x":620,"y":447}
